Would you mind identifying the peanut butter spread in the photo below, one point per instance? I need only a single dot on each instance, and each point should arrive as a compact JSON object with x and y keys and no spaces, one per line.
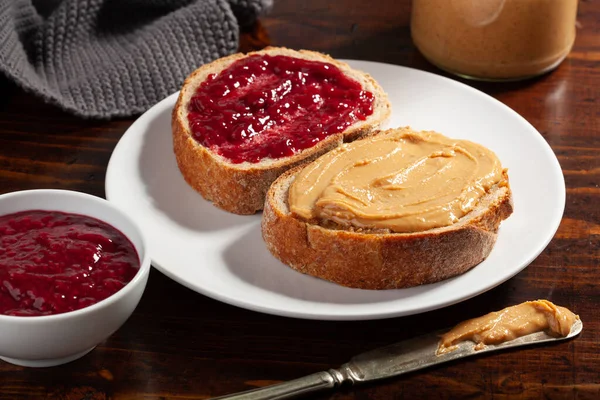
{"x":400,"y":181}
{"x":510,"y":323}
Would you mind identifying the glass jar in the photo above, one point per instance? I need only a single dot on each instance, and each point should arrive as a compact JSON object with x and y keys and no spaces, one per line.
{"x":494,"y":39}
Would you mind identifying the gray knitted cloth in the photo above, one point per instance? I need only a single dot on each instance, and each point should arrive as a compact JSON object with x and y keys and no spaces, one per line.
{"x":107,"y":58}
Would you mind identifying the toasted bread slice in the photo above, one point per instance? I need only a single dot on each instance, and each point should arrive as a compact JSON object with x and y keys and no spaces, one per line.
{"x":379,"y":259}
{"x":241,"y":188}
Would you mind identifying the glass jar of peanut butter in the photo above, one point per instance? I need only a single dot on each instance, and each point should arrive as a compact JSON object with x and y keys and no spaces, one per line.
{"x":494,"y":39}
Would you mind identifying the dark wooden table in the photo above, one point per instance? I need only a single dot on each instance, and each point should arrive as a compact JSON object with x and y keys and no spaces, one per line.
{"x":181,"y":345}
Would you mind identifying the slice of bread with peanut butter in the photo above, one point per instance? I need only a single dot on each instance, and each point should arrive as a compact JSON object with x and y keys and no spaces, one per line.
{"x":398,"y":209}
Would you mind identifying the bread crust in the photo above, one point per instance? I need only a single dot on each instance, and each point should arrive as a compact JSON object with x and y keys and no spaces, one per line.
{"x":378,"y":261}
{"x":241,"y":188}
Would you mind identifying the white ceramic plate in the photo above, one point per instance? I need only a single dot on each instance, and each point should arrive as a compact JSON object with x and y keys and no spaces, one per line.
{"x":222,"y":255}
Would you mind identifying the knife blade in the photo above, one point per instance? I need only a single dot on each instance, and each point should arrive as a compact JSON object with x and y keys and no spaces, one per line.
{"x":386,"y":362}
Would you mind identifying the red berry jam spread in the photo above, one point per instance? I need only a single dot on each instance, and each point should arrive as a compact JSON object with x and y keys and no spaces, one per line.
{"x":53,"y":262}
{"x":274,"y":106}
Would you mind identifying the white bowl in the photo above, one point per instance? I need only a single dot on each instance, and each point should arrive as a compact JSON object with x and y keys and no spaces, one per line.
{"x":43,"y":341}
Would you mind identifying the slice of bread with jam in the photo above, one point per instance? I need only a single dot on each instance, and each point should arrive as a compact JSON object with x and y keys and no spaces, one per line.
{"x":243,"y":120}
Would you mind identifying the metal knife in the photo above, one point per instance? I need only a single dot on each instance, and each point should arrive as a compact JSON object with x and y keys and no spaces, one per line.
{"x":400,"y":358}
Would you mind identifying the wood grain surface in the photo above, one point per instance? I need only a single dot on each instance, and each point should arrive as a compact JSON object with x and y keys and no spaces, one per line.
{"x":181,"y":345}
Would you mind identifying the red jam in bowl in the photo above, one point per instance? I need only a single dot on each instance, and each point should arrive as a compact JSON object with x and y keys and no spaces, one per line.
{"x":274,"y":106}
{"x":53,"y":262}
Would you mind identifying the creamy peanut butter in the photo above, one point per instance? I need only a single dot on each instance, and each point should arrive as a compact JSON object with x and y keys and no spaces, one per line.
{"x":400,"y":181}
{"x":510,"y":323}
{"x":494,"y":39}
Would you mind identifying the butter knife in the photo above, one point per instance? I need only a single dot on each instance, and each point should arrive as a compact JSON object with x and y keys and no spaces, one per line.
{"x":400,"y":358}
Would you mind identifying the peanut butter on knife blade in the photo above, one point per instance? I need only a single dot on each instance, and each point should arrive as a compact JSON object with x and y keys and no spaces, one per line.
{"x":509,"y":324}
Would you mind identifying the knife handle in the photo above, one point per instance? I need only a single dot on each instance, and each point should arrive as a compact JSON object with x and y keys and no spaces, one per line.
{"x":297,"y":387}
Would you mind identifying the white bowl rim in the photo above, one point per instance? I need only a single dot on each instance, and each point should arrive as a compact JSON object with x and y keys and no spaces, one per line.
{"x":144,"y":269}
